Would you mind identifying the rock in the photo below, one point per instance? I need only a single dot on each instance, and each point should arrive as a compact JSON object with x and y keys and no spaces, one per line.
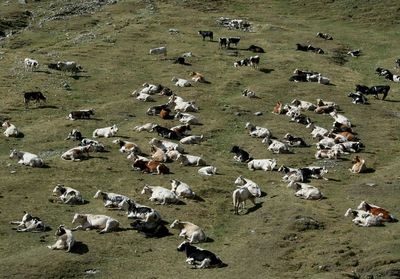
{"x":303,"y":223}
{"x":258,"y":113}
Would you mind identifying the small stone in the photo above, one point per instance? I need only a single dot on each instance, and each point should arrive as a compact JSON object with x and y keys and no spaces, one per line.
{"x":258,"y":113}
{"x":237,"y":114}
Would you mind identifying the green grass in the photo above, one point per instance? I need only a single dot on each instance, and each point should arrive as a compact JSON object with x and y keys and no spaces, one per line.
{"x":112,"y":46}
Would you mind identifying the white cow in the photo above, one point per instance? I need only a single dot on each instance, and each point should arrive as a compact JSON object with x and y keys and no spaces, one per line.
{"x":106,"y":132}
{"x":306,"y":191}
{"x":190,"y":231}
{"x":142,"y":96}
{"x":158,"y":50}
{"x":110,"y":200}
{"x":192,"y":139}
{"x":78,"y":153}
{"x":249,"y":191}
{"x":187,"y":118}
{"x":191,"y":160}
{"x":180,"y":82}
{"x":145,"y":127}
{"x":68,"y":66}
{"x":304,"y":105}
{"x":160,"y":194}
{"x":208,"y":170}
{"x":166,"y":145}
{"x":29,"y":223}
{"x":91,"y":221}
{"x":31,"y":64}
{"x":65,"y":239}
{"x":181,"y":189}
{"x":340,"y":118}
{"x":11,"y":130}
{"x":68,"y":195}
{"x":317,"y":131}
{"x":363,"y":218}
{"x":276,"y":146}
{"x":27,"y":159}
{"x":256,"y":131}
{"x":262,"y":164}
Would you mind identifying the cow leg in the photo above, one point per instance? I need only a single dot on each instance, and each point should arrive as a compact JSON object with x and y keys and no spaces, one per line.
{"x":204,"y":264}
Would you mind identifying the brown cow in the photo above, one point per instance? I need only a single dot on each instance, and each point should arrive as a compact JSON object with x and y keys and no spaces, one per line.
{"x":376,"y":210}
{"x":150,"y":166}
{"x":358,"y":165}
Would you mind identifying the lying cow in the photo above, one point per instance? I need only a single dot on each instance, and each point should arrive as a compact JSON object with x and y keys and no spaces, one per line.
{"x":65,"y":239}
{"x":138,"y":211}
{"x":241,"y":155}
{"x":208,"y":170}
{"x":67,"y":195}
{"x":262,"y":164}
{"x":198,"y":257}
{"x":158,"y":50}
{"x":358,"y":165}
{"x":90,"y":221}
{"x":363,"y":218}
{"x":160,"y":194}
{"x":190,"y":231}
{"x":11,"y":130}
{"x":77,"y":154}
{"x":377,"y":211}
{"x":181,"y":189}
{"x":111,"y":200}
{"x":29,"y":223}
{"x":80,"y":114}
{"x":106,"y":132}
{"x":27,"y":159}
{"x":151,"y":166}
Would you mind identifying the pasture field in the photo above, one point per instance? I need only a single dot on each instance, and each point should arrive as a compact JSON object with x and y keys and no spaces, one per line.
{"x":111,"y":42}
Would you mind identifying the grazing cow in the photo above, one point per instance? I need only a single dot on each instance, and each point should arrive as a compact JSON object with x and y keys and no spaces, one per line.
{"x":151,"y":166}
{"x":160,"y":195}
{"x":181,"y":189}
{"x":256,"y":49}
{"x":243,"y":62}
{"x":207,"y":171}
{"x":27,"y":159}
{"x":80,"y":114}
{"x":36,"y":96}
{"x":190,"y":231}
{"x":295,"y":141}
{"x":223,"y":42}
{"x":191,"y":160}
{"x":69,"y":66}
{"x":324,"y":36}
{"x":363,"y":218}
{"x":77,"y":154}
{"x":197,"y":77}
{"x":233,"y":40}
{"x":68,"y":195}
{"x":307,"y":192}
{"x":192,"y":139}
{"x":240,"y":154}
{"x":91,"y":221}
{"x":180,"y":82}
{"x":358,"y":165}
{"x":166,"y":145}
{"x":106,"y":132}
{"x":29,"y":223}
{"x":249,"y":191}
{"x":65,"y":239}
{"x":258,"y":132}
{"x":354,"y":53}
{"x":205,"y":34}
{"x":127,"y":146}
{"x":358,"y":98}
{"x":138,"y":211}
{"x":187,"y":118}
{"x":31,"y":64}
{"x":254,"y":61}
{"x":196,"y":255}
{"x":262,"y":164}
{"x":145,"y":127}
{"x":379,"y":89}
{"x":11,"y":130}
{"x":376,"y":211}
{"x":158,"y":50}
{"x":110,"y":200}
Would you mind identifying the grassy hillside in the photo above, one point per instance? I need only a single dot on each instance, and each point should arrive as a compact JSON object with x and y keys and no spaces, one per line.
{"x":111,"y":42}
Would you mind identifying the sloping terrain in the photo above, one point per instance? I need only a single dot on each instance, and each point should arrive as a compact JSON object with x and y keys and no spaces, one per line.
{"x":111,"y":40}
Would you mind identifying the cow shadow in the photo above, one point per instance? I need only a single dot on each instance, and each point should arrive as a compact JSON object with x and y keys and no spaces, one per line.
{"x":266,"y":70}
{"x":45,"y":166}
{"x":369,"y":170}
{"x":263,"y":194}
{"x":77,"y":77}
{"x":180,"y":202}
{"x":20,"y":135}
{"x":43,"y":71}
{"x":79,"y":248}
{"x":47,"y":106}
{"x":254,"y":208}
{"x":392,"y":101}
{"x":209,"y":240}
{"x":198,"y":199}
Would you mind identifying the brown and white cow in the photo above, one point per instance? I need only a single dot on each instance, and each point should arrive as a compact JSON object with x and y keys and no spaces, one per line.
{"x":150,"y":166}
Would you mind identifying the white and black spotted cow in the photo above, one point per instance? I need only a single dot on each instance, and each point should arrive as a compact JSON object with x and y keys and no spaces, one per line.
{"x":198,"y":257}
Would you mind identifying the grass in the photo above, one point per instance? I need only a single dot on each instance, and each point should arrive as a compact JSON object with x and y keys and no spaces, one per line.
{"x":112,"y":46}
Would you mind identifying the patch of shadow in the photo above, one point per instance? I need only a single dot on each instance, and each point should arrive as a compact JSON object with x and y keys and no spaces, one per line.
{"x":266,"y":71}
{"x":369,"y":170}
{"x":198,"y":198}
{"x":180,"y":203}
{"x":303,"y":223}
{"x":209,"y":239}
{"x":397,"y":114}
{"x":47,"y":106}
{"x":20,"y":135}
{"x":42,"y":71}
{"x":254,"y":208}
{"x":339,"y":56}
{"x":263,"y":194}
{"x":79,"y":248}
{"x":77,"y":77}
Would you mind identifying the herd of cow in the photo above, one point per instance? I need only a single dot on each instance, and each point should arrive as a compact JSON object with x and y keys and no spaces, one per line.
{"x":332,"y":144}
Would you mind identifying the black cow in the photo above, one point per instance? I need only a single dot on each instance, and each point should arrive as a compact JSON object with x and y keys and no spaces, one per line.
{"x":254,"y":61}
{"x":325,"y":36}
{"x":205,"y":34}
{"x":240,"y":154}
{"x":166,"y":133}
{"x":362,"y":88}
{"x":243,"y":62}
{"x":195,"y":255}
{"x":223,"y":42}
{"x":233,"y":40}
{"x":379,"y":89}
{"x":358,"y":98}
{"x":155,"y":110}
{"x":313,"y":172}
{"x":80,"y":114}
{"x":302,"y":47}
{"x":295,"y":141}
{"x":150,"y":228}
{"x":180,"y":60}
{"x":36,"y":96}
{"x":256,"y":49}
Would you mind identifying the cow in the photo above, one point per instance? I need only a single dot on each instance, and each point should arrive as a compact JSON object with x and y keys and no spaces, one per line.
{"x":27,"y":159}
{"x":29,"y":223}
{"x":354,"y":53}
{"x":31,"y":64}
{"x":348,"y":147}
{"x":295,"y":141}
{"x":36,"y":96}
{"x":158,"y":50}
{"x":182,"y":105}
{"x":376,"y":211}
{"x":158,"y":154}
{"x":364,"y":219}
{"x":165,"y":113}
{"x":69,"y":66}
{"x":207,"y":170}
{"x":205,"y":34}
{"x":11,"y":130}
{"x":75,"y":135}
{"x":106,"y":132}
{"x":248,"y":93}
{"x":142,"y":96}
{"x":254,"y":61}
{"x":262,"y":164}
{"x":327,"y":153}
{"x":249,"y":191}
{"x":77,"y":154}
{"x":160,"y":195}
{"x":180,"y":82}
{"x":233,"y":40}
{"x":192,"y":139}
{"x":276,"y":146}
{"x":191,"y":160}
{"x":358,"y":165}
{"x":304,"y":105}
{"x":145,"y":127}
{"x":240,"y":154}
{"x":306,"y":191}
{"x":90,"y":221}
{"x":110,"y":200}
{"x":187,"y":118}
{"x":65,"y":239}
{"x":258,"y":132}
{"x":223,"y":42}
{"x":317,"y":131}
{"x":96,"y":146}
{"x":127,"y":146}
{"x":182,"y":130}
{"x":165,"y":132}
{"x":80,"y":114}
{"x":190,"y":231}
{"x":379,"y":89}
{"x":138,"y":211}
{"x":324,"y":36}
{"x":67,"y":195}
{"x":358,"y":98}
{"x":278,"y":108}
{"x":151,"y":166}
{"x":243,"y":62}
{"x":194,"y":255}
{"x":181,"y":189}
{"x":155,"y":110}
{"x":197,"y":77}
{"x":340,"y":118}
{"x":166,"y":145}
{"x":256,"y":49}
